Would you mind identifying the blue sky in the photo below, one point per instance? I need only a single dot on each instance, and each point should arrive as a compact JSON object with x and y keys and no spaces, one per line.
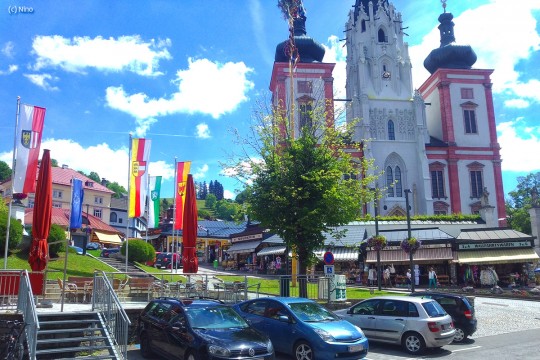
{"x":185,"y":72}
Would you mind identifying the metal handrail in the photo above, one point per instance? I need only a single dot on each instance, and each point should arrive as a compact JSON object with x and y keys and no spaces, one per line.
{"x":107,"y":304}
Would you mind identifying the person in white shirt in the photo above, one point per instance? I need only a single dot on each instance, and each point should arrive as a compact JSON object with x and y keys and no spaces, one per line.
{"x":386,"y":276}
{"x":432,"y":276}
{"x":372,"y":276}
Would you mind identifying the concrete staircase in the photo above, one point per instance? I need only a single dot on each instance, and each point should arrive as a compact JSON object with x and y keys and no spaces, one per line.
{"x":120,"y":265}
{"x":73,"y":335}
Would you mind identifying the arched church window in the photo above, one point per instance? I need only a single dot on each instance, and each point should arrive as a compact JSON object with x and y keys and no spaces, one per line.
{"x":113,"y":217}
{"x":390,"y":181}
{"x":363,"y":25}
{"x":382,"y":36}
{"x":305,"y":112}
{"x":391,"y":130}
{"x":399,"y":184}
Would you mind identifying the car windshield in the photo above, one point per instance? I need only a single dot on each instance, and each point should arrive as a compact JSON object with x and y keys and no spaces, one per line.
{"x":215,"y":317}
{"x":312,"y":312}
{"x":433,"y":309}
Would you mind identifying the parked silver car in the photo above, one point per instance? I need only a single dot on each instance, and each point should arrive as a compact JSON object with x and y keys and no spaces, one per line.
{"x":415,"y":323}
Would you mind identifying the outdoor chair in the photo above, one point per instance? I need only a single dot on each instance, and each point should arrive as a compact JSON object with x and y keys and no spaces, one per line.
{"x":70,"y":291}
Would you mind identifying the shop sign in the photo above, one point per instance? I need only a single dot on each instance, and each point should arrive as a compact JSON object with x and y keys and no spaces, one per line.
{"x":246,"y":238}
{"x":493,"y":245}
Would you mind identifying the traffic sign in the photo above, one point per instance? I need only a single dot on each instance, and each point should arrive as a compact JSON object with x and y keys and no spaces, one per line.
{"x":329,"y":270}
{"x":328,"y":258}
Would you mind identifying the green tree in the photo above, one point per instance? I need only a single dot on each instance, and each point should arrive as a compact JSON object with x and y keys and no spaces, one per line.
{"x":118,"y":189}
{"x":165,"y":205}
{"x":57,"y":235}
{"x":139,"y":250}
{"x":298,"y":189}
{"x":5,"y":171}
{"x":204,"y":214}
{"x":94,"y":176}
{"x":54,"y":163}
{"x":227,"y":210}
{"x":521,"y":200}
{"x":15,"y":229}
{"x":210,"y":201}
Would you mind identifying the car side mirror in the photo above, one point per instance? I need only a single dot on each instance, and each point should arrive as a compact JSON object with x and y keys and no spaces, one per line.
{"x":350,"y":311}
{"x":284,"y":318}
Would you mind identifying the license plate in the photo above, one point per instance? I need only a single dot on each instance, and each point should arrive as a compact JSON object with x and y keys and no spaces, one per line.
{"x":356,"y":348}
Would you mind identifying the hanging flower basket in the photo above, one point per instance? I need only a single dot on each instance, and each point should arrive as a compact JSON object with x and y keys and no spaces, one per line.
{"x":411,"y":245}
{"x":19,"y":196}
{"x":377,"y":242}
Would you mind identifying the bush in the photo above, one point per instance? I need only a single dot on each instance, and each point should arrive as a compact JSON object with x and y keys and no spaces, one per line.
{"x":57,"y":233}
{"x":15,"y":232}
{"x":139,"y":250}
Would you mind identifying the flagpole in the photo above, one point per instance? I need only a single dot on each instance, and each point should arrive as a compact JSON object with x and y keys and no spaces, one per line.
{"x":6,"y":247}
{"x":127,"y":208}
{"x":147,"y":207}
{"x":175,"y":185}
{"x":67,"y":248}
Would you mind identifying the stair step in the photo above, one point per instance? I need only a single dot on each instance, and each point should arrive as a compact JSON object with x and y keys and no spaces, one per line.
{"x":44,"y":323}
{"x":70,"y":330}
{"x":91,"y":357}
{"x":77,"y":349}
{"x":72,"y":339}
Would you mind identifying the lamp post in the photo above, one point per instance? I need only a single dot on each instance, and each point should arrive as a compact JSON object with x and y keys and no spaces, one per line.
{"x":411,"y":265}
{"x":376,"y":209}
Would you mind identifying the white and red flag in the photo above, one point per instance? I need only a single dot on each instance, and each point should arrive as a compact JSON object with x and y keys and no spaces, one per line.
{"x":28,"y":141}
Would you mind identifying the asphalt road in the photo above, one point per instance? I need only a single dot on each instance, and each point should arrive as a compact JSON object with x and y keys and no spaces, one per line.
{"x":507,"y":329}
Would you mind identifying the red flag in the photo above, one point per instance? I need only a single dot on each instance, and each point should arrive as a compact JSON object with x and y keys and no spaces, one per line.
{"x":138,"y":179}
{"x":29,"y":131}
{"x":182,"y":172}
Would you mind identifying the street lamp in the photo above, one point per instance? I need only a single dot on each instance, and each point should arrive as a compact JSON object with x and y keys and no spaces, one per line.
{"x":407,"y":192}
{"x":376,"y":209}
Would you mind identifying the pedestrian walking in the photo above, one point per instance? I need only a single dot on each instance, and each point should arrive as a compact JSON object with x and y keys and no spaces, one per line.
{"x":372,"y":276}
{"x":432,"y":276}
{"x":386,"y":276}
{"x":409,"y":279}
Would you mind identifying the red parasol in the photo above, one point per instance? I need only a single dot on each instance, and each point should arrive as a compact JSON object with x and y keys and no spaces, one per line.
{"x":41,"y":220}
{"x":189,"y":231}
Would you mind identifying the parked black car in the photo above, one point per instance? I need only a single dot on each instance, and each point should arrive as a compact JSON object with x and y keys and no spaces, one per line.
{"x":457,"y":306}
{"x":109,"y":252}
{"x":199,"y":330}
{"x":165,"y":260}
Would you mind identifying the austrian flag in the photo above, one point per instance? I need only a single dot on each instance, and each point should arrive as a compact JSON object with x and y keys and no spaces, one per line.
{"x":138,"y":176}
{"x":28,"y":140}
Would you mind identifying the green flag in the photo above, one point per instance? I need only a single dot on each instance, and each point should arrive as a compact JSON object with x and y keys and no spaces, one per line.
{"x":153,"y":201}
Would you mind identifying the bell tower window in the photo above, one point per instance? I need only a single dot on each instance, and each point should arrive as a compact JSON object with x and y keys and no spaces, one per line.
{"x":381,"y":35}
{"x":391,"y":131}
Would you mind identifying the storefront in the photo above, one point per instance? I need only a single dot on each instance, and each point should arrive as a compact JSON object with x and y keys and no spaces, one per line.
{"x":435,"y":251}
{"x":488,"y":257}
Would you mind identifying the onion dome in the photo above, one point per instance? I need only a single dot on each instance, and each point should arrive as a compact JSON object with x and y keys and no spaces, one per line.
{"x":308,"y":50}
{"x":449,"y":55}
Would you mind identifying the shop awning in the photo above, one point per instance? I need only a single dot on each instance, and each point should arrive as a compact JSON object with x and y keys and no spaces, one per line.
{"x":107,"y":238}
{"x":272,"y":250}
{"x":421,"y":255}
{"x":243,"y":247}
{"x":340,"y":254}
{"x":503,"y":256}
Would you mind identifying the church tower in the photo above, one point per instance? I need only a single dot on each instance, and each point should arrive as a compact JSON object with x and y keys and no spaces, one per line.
{"x":390,"y":115}
{"x":464,"y":154}
{"x":301,"y":82}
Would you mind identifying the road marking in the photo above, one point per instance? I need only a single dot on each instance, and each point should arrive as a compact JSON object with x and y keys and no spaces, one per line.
{"x":465,"y":349}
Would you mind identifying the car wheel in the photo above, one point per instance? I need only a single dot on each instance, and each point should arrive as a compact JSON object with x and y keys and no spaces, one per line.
{"x":146,"y":350}
{"x":303,"y":351}
{"x":191,"y":356}
{"x":413,"y":343}
{"x":460,"y":335}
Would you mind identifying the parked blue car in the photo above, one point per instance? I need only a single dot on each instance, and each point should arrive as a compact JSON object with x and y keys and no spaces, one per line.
{"x":304,"y":329}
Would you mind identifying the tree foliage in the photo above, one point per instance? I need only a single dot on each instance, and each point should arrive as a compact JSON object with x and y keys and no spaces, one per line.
{"x":296,"y":185}
{"x":118,"y":189}
{"x":139,"y":250}
{"x":57,"y":235}
{"x":210,"y":201}
{"x":5,"y":171}
{"x":521,"y":200}
{"x":228,"y":210}
{"x":15,"y":229}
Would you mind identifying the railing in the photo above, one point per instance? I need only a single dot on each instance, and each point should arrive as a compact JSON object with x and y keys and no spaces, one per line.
{"x":16,"y":284}
{"x":227,"y":287}
{"x":106,"y":303}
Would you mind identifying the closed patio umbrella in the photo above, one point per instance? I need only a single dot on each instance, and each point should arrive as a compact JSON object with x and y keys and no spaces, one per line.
{"x":41,"y":219}
{"x":189,"y":231}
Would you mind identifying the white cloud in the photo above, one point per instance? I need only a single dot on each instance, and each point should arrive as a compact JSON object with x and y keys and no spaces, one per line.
{"x":202,"y":131}
{"x":126,"y":53}
{"x":206,"y":87}
{"x":42,"y":80}
{"x":337,"y":53}
{"x":517,"y":103}
{"x":7,"y":49}
{"x":506,"y":40}
{"x":520,"y":146}
{"x":227,"y":194}
{"x":91,"y":158}
{"x":201,"y":172}
{"x":11,"y":69}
